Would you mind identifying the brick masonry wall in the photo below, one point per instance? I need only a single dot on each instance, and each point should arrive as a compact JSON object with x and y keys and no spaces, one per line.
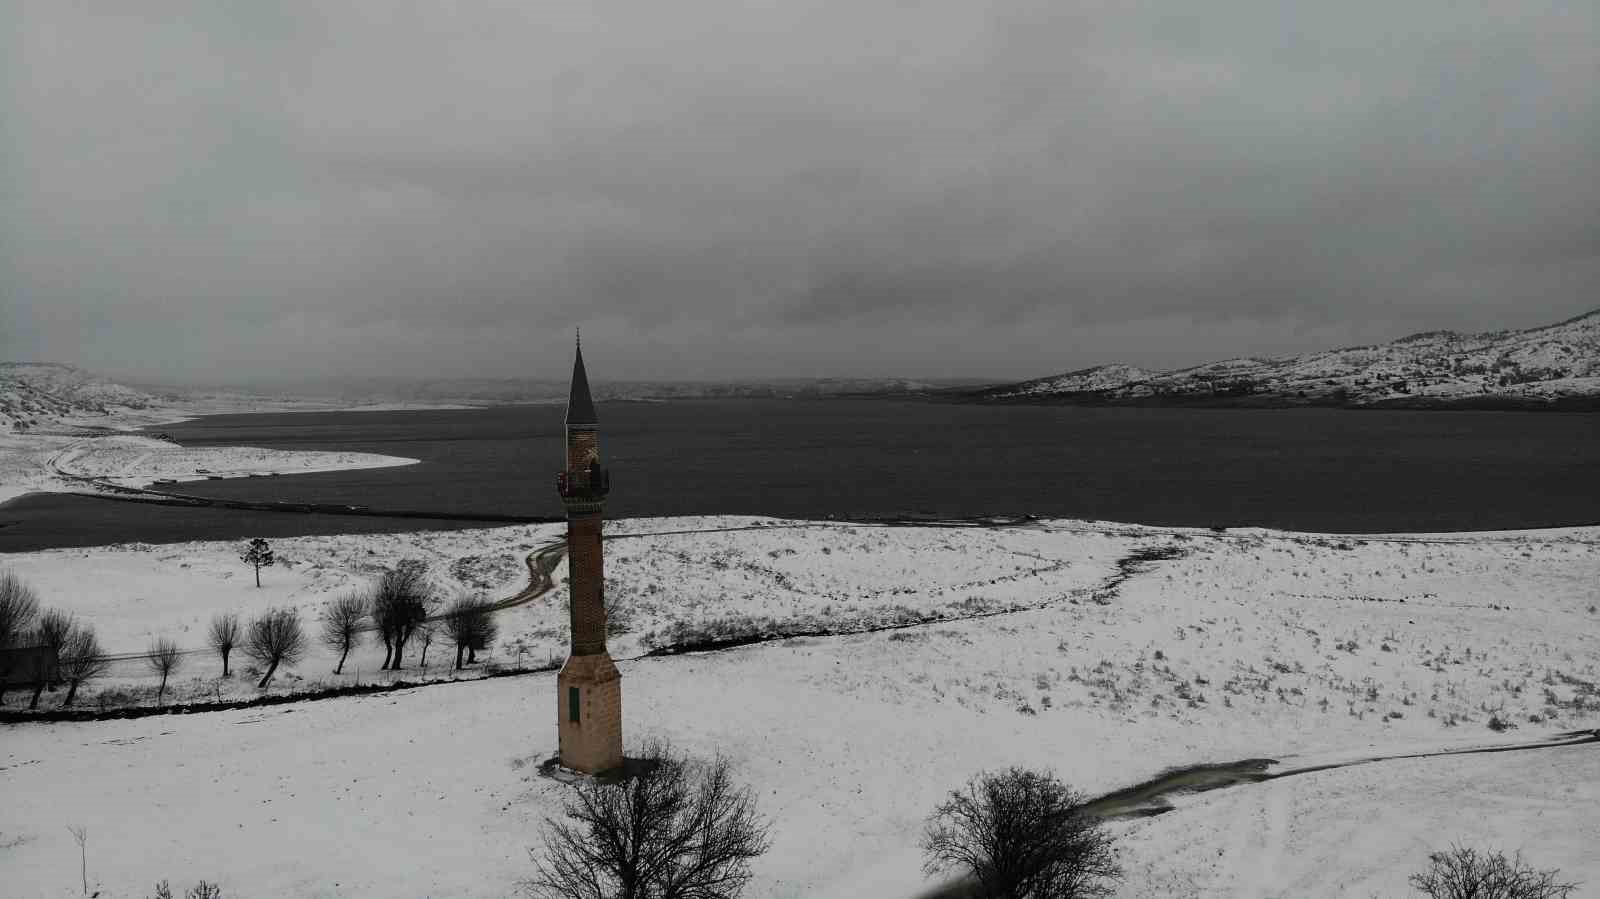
{"x":583,"y":447}
{"x":593,"y":743}
{"x":586,"y":566}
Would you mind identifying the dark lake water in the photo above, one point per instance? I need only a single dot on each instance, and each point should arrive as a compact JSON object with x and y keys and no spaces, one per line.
{"x":1306,"y":469}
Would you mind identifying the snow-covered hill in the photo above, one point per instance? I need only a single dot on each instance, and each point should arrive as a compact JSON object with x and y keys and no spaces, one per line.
{"x":37,"y":394}
{"x":1553,"y":366}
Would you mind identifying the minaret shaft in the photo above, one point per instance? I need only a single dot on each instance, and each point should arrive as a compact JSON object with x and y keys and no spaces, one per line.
{"x":586,"y":562}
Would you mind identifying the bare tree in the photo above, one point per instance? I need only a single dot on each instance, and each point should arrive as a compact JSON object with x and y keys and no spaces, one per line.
{"x":470,"y":625}
{"x":258,"y":554}
{"x":401,"y":601}
{"x":1021,"y":835}
{"x":19,"y":605}
{"x":81,"y":835}
{"x":1465,"y":873}
{"x":457,"y":623}
{"x":55,"y":626}
{"x":385,"y":629}
{"x":82,"y":660}
{"x":164,"y":658}
{"x":341,"y":625}
{"x":274,"y":639}
{"x":484,"y":632}
{"x":426,"y":632}
{"x":224,"y":636}
{"x":676,"y":830}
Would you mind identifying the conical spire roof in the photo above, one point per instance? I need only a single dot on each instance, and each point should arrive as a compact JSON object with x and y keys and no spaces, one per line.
{"x":580,"y":406}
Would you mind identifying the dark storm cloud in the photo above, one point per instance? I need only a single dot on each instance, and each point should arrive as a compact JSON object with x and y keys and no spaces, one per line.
{"x":803,"y":187}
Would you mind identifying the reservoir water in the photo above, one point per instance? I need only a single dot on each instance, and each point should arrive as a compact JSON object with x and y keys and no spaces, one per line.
{"x":1303,"y":469}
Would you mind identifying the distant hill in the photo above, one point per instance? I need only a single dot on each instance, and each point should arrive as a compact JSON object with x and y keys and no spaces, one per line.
{"x":1555,"y":366}
{"x":482,"y":391}
{"x":38,"y":395}
{"x":33,"y":395}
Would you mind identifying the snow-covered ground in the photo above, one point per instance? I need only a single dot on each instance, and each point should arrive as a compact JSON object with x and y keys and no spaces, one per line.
{"x":1061,"y":649}
{"x":48,"y":459}
{"x":133,"y":461}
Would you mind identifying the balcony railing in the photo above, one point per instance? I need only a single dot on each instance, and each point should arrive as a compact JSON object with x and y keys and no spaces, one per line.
{"x":591,"y":484}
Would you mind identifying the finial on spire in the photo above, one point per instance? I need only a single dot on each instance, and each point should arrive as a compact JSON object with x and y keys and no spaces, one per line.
{"x":580,"y":337}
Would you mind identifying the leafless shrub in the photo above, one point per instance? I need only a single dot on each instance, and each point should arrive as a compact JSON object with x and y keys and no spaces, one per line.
{"x":275,"y":639}
{"x":224,"y":636}
{"x":1021,"y":835}
{"x":82,"y":660}
{"x":1465,"y":873}
{"x":201,"y":890}
{"x":341,"y":625}
{"x":677,"y":830}
{"x":402,"y":598}
{"x":164,"y":658}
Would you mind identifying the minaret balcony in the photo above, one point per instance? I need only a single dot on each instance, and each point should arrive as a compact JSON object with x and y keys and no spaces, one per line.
{"x":583,"y":488}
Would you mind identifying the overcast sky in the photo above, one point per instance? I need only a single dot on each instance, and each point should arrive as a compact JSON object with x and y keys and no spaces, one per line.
{"x":726,"y":188}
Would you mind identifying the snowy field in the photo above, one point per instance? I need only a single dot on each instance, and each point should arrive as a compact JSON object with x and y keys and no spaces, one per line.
{"x":1106,"y":653}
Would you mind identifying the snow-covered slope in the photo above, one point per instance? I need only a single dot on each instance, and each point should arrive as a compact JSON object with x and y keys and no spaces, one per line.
{"x":1556,"y":365}
{"x":37,"y":394}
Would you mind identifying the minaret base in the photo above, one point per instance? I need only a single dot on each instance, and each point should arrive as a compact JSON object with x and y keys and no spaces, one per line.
{"x":589,"y":695}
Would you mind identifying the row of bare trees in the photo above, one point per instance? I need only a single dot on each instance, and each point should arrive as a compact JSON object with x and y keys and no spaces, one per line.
{"x":400,"y":608}
{"x":272,"y":639}
{"x":57,"y":636}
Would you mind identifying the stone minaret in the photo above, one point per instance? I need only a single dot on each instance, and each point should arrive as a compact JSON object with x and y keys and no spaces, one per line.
{"x":589,"y":688}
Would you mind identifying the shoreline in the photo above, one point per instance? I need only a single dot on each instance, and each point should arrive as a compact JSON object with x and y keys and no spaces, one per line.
{"x":37,"y":461}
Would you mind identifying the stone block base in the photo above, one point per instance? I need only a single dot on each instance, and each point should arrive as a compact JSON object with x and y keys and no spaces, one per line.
{"x":589,"y":706}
